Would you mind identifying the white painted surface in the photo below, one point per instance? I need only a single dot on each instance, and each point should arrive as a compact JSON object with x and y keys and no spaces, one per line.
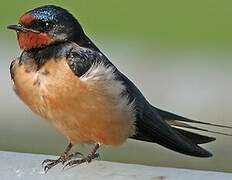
{"x":14,"y":166}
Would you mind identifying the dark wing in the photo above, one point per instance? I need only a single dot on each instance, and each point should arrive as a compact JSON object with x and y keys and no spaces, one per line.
{"x":80,"y":60}
{"x":151,"y":127}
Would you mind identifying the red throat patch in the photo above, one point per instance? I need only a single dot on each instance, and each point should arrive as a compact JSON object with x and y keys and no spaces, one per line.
{"x":29,"y":40}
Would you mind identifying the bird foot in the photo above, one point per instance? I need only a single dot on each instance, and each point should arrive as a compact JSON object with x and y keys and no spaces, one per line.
{"x":49,"y":163}
{"x":86,"y":159}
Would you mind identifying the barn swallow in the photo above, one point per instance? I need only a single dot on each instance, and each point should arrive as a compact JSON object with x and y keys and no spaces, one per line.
{"x":63,"y":77}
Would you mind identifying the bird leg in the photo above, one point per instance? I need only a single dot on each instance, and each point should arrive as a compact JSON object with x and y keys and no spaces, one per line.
{"x":49,"y":163}
{"x":87,"y":159}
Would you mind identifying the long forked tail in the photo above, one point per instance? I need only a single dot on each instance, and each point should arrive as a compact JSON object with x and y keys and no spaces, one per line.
{"x":151,"y":127}
{"x":182,"y":122}
{"x":158,"y":126}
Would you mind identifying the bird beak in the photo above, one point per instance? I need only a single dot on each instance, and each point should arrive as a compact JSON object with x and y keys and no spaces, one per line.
{"x":19,"y":27}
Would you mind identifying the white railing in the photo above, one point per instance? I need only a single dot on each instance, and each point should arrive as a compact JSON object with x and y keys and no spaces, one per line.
{"x":14,"y":166}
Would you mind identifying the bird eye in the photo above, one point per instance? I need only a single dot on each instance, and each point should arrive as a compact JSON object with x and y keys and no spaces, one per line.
{"x":47,"y":26}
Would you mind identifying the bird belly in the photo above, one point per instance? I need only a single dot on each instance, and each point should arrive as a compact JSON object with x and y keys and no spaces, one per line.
{"x":82,"y":109}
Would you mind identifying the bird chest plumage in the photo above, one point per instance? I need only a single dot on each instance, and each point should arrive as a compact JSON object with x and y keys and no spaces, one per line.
{"x":84,"y":109}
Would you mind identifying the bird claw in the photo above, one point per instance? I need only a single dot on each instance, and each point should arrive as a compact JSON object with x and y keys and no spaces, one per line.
{"x":86,"y":159}
{"x":72,"y":162}
{"x":47,"y":167}
{"x":49,"y":163}
{"x":46,"y":161}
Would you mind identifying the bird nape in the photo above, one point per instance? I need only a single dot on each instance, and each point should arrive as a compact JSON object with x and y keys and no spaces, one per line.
{"x":63,"y":77}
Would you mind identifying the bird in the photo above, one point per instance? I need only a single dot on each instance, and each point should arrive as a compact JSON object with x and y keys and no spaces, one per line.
{"x":62,"y":76}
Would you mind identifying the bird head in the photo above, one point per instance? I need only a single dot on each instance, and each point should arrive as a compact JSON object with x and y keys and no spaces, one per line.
{"x":46,"y":25}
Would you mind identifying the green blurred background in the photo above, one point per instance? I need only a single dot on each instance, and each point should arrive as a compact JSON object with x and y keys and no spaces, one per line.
{"x":177,"y":52}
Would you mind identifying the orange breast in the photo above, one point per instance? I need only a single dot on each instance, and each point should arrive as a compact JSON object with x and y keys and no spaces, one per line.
{"x":81,"y":110}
